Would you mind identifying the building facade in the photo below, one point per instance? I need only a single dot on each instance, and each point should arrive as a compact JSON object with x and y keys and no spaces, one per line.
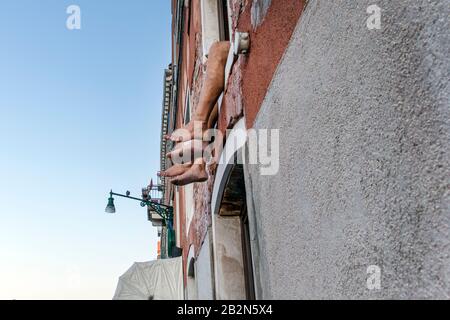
{"x":362,"y":182}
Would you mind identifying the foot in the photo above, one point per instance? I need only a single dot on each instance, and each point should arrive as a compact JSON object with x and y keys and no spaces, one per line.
{"x":187,"y":152}
{"x":196,"y":173}
{"x":192,"y":131}
{"x":175,"y":170}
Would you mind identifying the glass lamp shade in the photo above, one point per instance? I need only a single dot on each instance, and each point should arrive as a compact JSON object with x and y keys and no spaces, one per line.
{"x":110,"y":208}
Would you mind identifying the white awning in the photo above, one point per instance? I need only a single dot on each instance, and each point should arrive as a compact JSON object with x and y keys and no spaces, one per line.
{"x":153,"y":280}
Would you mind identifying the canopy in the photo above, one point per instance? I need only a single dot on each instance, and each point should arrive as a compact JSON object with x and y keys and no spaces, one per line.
{"x":153,"y":280}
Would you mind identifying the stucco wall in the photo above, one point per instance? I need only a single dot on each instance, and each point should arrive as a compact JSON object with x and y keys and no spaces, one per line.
{"x":364,"y":156}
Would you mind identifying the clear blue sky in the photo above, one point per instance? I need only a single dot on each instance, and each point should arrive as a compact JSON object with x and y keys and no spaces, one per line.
{"x":79,"y":114}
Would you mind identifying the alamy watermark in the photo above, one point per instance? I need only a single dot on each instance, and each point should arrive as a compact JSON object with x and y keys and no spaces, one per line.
{"x":73,"y":278}
{"x":374,"y":278}
{"x":374,"y":20}
{"x":257,"y":146}
{"x":73,"y":21}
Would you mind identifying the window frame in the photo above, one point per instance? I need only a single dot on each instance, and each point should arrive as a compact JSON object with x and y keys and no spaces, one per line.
{"x":213,"y":23}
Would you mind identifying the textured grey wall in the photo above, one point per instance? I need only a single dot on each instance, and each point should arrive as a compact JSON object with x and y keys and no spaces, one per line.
{"x":364,"y":156}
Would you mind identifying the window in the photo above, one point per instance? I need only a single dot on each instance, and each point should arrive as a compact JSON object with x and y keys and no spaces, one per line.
{"x":215,"y":23}
{"x":224,"y":20}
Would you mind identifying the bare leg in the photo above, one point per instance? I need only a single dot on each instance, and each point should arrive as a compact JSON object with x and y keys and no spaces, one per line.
{"x":205,"y":116}
{"x":212,"y":88}
{"x":213,"y":117}
{"x":215,"y":80}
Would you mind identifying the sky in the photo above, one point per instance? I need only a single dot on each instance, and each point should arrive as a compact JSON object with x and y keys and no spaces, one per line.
{"x":80,"y":114}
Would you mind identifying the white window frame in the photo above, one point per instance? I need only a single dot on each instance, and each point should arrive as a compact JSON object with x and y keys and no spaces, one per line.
{"x":189,"y":205}
{"x":189,"y":189}
{"x":211,"y":24}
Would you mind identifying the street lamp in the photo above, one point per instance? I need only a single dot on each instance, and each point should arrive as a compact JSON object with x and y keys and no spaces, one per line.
{"x":166,"y":212}
{"x":110,"y":208}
